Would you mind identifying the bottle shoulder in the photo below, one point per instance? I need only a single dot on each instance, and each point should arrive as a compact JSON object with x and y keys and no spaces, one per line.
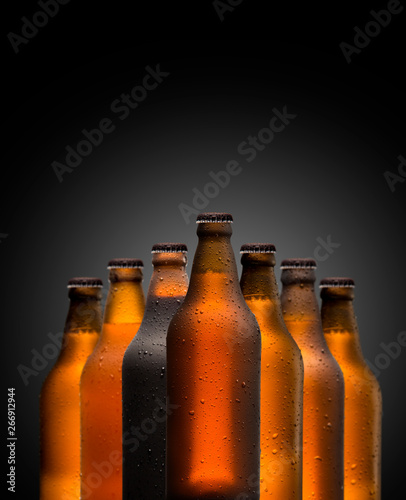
{"x":203,"y":315}
{"x":62,"y":376}
{"x":359,"y":370}
{"x":321,"y":362}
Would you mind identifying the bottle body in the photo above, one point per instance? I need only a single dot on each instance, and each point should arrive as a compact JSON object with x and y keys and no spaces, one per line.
{"x":144,"y":379}
{"x":281,"y":379}
{"x":323,"y":388}
{"x":60,"y":400}
{"x":213,"y":370}
{"x":101,"y":394}
{"x":363,"y":400}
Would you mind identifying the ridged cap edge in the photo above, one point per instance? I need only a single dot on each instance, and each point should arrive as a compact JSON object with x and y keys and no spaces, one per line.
{"x":124,"y":263}
{"x":169,"y":248}
{"x":85,"y":283}
{"x":257,"y":248}
{"x":337,"y":282}
{"x":298,"y":264}
{"x":214,"y":217}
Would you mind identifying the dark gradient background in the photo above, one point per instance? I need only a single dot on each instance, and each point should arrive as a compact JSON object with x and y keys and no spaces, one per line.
{"x":323,"y":175}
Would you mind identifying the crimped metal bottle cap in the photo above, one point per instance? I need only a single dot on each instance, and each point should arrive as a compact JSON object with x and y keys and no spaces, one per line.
{"x":337,"y":282}
{"x":124,"y":263}
{"x":168,"y":247}
{"x":85,"y":283}
{"x":214,"y":217}
{"x":258,"y":248}
{"x":298,"y":264}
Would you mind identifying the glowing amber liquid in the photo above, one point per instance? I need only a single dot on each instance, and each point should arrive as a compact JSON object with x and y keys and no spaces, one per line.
{"x":101,"y":388}
{"x":213,"y":353}
{"x":323,"y":389}
{"x":362,"y":425}
{"x":323,"y":395}
{"x":210,"y":404}
{"x":60,"y":419}
{"x":281,"y":405}
{"x":102,"y":414}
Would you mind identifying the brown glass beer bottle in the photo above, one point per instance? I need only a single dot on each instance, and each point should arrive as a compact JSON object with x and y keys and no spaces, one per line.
{"x":363,"y":402}
{"x":59,"y":400}
{"x":323,"y":391}
{"x":144,"y":378}
{"x":281,"y":378}
{"x":101,"y":406}
{"x":213,"y":385}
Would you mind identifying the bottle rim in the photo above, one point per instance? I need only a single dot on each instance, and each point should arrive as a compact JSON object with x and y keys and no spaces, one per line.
{"x":125,"y":263}
{"x":169,"y":248}
{"x":337,"y":282}
{"x":298,"y":263}
{"x":85,"y":283}
{"x":257,"y":248}
{"x":216,"y":217}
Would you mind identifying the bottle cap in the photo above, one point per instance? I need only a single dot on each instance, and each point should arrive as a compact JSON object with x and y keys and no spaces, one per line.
{"x":168,"y":247}
{"x":337,"y":282}
{"x":258,"y":248}
{"x":214,"y":217}
{"x":85,"y":283}
{"x":124,"y":263}
{"x":298,"y":264}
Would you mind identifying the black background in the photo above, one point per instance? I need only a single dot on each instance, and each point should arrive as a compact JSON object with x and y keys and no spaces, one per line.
{"x":323,"y":175}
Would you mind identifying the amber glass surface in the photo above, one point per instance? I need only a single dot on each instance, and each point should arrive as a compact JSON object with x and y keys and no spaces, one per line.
{"x":213,"y":370}
{"x":323,"y":393}
{"x":281,"y":382}
{"x":59,"y":401}
{"x":363,"y":403}
{"x":101,"y":396}
{"x":144,"y":379}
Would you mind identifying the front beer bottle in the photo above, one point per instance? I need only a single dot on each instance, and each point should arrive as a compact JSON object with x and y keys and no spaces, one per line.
{"x":101,"y":398}
{"x":59,"y":400}
{"x":363,"y":403}
{"x":144,"y":378}
{"x":323,"y":391}
{"x":213,"y":370}
{"x":281,"y":378}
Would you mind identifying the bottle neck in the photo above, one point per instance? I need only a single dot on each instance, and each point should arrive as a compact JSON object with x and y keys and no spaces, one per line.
{"x":169,"y":278}
{"x":85,"y":312}
{"x":258,"y":277}
{"x":125,"y":301}
{"x":337,"y":311}
{"x":298,"y":297}
{"x":260,"y":289}
{"x":214,"y":272}
{"x":340,"y":324}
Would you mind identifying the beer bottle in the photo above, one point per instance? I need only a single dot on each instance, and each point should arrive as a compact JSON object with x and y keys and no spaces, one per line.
{"x":59,"y":400}
{"x":323,"y":391}
{"x":213,"y":370}
{"x":363,"y":403}
{"x":101,"y":406}
{"x":144,"y":378}
{"x":281,"y":378}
